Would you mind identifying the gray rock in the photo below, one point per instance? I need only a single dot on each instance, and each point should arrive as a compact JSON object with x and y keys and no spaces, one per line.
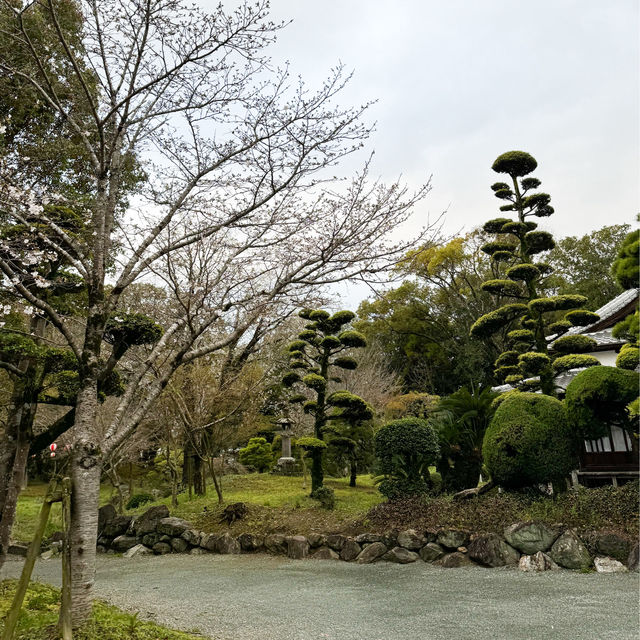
{"x":297,"y":547}
{"x":605,"y":564}
{"x":148,"y":521}
{"x":48,"y":555}
{"x":569,"y":552}
{"x":161,"y":548}
{"x":138,"y":550}
{"x":250,"y":543}
{"x":117,"y":527}
{"x":368,"y":538}
{"x":165,"y":538}
{"x":325,"y":553}
{"x":411,"y":539}
{"x":400,"y":555}
{"x":537,"y":562}
{"x":101,"y":549}
{"x":179,"y":545}
{"x":350,"y":550}
{"x":431,"y":536}
{"x":632,"y":560}
{"x":226,"y":544}
{"x":613,"y":545}
{"x":209,"y":541}
{"x":197,"y":551}
{"x":106,"y":514}
{"x":18,"y":549}
{"x":452,"y":538}
{"x":530,"y":537}
{"x":317,"y":539}
{"x":336,"y":542}
{"x":454,"y":560}
{"x":390,"y":538}
{"x":276,"y":543}
{"x":192,"y":537}
{"x":173,"y":527}
{"x":150,"y":539}
{"x":123,"y":543}
{"x":431,"y":552}
{"x":492,"y":551}
{"x":371,"y":553}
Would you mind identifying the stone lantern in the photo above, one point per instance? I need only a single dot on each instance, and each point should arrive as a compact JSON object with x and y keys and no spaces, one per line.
{"x":286,"y":460}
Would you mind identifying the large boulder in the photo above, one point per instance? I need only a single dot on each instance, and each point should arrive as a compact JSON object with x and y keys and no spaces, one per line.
{"x":173,"y":527}
{"x":613,"y":545}
{"x":371,"y":553}
{"x":431,"y":552}
{"x":530,"y":537}
{"x":179,"y":545}
{"x":192,"y":537}
{"x":276,"y":543}
{"x":138,"y":550}
{"x":148,"y":521}
{"x":350,"y":550}
{"x":227,"y":544}
{"x":297,"y":547}
{"x":106,"y":514}
{"x":336,"y":541}
{"x":117,"y":526}
{"x":209,"y":541}
{"x":604,"y":564}
{"x":411,"y":539}
{"x":150,"y":539}
{"x":632,"y":560}
{"x":317,"y":539}
{"x":124,"y":543}
{"x":400,"y":555}
{"x":325,"y":553}
{"x":161,"y":548}
{"x":492,"y":551}
{"x":368,"y":538}
{"x":569,"y":552}
{"x":452,"y":538}
{"x":454,"y":560}
{"x":538,"y":562}
{"x":197,"y":551}
{"x":249,"y":542}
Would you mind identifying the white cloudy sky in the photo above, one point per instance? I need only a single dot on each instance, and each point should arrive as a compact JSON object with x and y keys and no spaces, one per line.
{"x":460,"y":81}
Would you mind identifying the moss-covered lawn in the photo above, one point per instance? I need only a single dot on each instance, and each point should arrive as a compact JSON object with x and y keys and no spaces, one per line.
{"x":39,"y":617}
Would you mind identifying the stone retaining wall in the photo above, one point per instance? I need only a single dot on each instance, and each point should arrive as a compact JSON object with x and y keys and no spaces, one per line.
{"x":531,"y":546}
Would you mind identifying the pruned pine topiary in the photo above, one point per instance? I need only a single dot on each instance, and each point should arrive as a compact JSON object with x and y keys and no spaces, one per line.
{"x":529,"y":441}
{"x":598,"y":397}
{"x":626,"y":268}
{"x":581,"y":317}
{"x":524,"y":241}
{"x":629,"y":357}
{"x":574,"y":361}
{"x":574,"y":344}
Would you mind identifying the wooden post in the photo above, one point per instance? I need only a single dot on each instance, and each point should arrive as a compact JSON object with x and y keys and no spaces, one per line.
{"x":65,"y":602}
{"x":34,"y":550}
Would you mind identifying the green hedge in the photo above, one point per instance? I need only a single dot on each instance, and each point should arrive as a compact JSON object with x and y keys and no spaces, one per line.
{"x":598,"y":397}
{"x":528,"y":441}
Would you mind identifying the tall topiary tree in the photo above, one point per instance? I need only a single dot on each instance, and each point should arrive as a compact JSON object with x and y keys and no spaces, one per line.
{"x":319,"y":350}
{"x":532,"y":319}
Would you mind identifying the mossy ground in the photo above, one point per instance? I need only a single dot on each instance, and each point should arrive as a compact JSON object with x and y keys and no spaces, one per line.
{"x":39,"y":616}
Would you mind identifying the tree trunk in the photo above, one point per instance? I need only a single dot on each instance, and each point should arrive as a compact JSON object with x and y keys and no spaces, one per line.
{"x":216,"y":483}
{"x":317,"y":476}
{"x":86,"y":462}
{"x":354,"y":472}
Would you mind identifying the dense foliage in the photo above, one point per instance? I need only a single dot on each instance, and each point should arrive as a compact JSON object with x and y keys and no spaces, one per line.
{"x":598,"y":397}
{"x":256,"y":455}
{"x":529,"y":441}
{"x":530,"y":314}
{"x":405,"y":448}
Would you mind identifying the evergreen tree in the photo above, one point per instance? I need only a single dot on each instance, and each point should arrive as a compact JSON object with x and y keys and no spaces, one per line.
{"x":314,"y":356}
{"x":533,"y":320}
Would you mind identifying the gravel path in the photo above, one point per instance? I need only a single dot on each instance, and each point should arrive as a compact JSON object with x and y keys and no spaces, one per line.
{"x":268,"y":598}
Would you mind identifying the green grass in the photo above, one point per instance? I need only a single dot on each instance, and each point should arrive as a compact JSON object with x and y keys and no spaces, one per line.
{"x":39,"y":617}
{"x":277,"y":504}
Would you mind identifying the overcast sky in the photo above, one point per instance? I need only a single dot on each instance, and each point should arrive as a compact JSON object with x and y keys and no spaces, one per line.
{"x":460,"y":81}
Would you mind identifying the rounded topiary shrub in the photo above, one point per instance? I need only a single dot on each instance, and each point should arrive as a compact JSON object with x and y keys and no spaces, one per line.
{"x":528,"y":441}
{"x":598,"y":397}
{"x":138,"y":499}
{"x":256,"y":455}
{"x":405,"y":448}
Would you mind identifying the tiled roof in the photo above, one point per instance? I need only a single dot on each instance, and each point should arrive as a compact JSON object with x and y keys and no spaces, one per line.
{"x":611,"y":309}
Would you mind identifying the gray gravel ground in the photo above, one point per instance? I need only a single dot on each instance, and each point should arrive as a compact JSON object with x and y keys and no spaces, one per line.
{"x":267,"y":598}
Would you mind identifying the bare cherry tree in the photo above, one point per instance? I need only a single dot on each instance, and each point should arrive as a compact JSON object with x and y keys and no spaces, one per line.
{"x":235,"y":209}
